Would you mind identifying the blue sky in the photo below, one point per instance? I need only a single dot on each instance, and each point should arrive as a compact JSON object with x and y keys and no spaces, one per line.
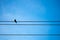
{"x":48,"y":10}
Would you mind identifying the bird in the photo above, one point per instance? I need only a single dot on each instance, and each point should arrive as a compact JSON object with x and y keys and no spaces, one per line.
{"x":15,"y":21}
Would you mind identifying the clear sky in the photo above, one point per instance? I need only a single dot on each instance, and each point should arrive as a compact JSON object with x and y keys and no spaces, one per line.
{"x":48,"y":10}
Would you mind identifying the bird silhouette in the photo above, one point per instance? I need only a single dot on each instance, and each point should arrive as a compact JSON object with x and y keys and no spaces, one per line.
{"x":15,"y":21}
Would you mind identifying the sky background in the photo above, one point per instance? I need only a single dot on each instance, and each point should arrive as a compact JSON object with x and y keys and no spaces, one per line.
{"x":21,"y":10}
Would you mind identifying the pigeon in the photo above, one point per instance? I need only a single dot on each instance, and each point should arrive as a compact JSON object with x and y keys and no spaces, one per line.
{"x":15,"y":21}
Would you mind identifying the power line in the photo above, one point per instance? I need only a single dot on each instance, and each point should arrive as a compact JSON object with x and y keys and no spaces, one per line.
{"x":31,"y":24}
{"x":30,"y":21}
{"x":29,"y":34}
